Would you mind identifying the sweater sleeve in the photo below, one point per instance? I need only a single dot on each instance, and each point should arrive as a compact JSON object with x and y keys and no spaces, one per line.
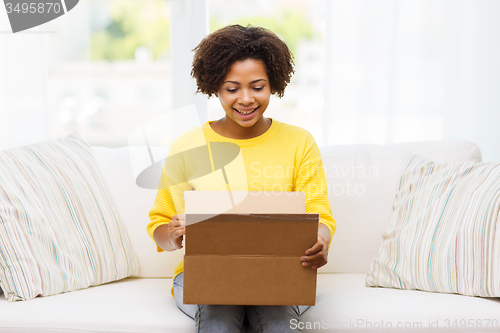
{"x":170,"y":196}
{"x":311,"y":180}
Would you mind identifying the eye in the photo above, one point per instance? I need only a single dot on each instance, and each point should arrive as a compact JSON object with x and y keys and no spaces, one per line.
{"x":258,"y":88}
{"x":232,"y":90}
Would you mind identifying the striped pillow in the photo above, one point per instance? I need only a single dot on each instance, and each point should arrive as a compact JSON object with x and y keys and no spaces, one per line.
{"x":59,"y":228}
{"x":444,"y":234}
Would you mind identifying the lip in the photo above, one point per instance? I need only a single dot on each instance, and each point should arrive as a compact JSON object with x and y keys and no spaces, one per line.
{"x":249,"y":116}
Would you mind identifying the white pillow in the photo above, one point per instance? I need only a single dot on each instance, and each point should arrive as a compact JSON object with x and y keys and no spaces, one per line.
{"x":444,"y":233}
{"x":59,"y":228}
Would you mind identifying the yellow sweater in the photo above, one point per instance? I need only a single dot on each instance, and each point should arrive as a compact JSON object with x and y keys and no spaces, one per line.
{"x":284,"y":158}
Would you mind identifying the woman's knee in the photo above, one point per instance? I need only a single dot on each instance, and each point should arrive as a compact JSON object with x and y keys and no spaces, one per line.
{"x":273,"y":318}
{"x":220,"y":318}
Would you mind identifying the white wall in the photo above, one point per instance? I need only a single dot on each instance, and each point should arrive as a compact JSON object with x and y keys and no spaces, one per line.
{"x":23,"y":107}
{"x":473,"y":74}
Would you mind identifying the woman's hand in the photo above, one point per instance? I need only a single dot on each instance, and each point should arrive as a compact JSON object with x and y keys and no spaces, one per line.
{"x":169,"y":236}
{"x":317,"y":255}
{"x":176,"y":230}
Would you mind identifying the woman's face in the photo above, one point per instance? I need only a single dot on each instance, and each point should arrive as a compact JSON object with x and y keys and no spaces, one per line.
{"x":245,"y":94}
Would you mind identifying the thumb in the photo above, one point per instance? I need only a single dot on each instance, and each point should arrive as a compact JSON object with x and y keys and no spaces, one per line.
{"x":182,"y":219}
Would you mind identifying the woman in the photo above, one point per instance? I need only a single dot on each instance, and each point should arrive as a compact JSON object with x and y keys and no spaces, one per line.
{"x":243,"y":67}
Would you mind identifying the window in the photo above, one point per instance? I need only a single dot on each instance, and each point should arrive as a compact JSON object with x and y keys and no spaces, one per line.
{"x":109,"y":70}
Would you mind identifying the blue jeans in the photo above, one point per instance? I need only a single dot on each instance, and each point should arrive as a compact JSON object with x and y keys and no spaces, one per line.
{"x":229,"y":318}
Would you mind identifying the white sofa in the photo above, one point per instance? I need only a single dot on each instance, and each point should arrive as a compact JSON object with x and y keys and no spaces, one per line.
{"x":362,"y":180}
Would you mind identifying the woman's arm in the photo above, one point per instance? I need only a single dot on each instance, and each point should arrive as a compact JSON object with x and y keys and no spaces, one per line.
{"x":311,"y":179}
{"x":167,"y":221}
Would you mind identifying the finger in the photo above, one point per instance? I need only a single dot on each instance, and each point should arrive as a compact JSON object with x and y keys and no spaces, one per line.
{"x":314,"y":264}
{"x":319,"y":264}
{"x":174,"y":223}
{"x":312,"y":258}
{"x":180,"y":219}
{"x":178,"y":233}
{"x":179,"y":230}
{"x":179,"y":242}
{"x":173,"y":229}
{"x":315,"y":248}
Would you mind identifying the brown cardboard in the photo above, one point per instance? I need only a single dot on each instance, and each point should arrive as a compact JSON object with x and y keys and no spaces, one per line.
{"x":248,"y":258}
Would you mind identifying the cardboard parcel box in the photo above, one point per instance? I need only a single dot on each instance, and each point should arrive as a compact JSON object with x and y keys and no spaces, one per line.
{"x":244,"y":248}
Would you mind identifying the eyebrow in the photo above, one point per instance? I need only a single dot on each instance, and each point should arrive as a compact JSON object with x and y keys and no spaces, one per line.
{"x":254,"y":81}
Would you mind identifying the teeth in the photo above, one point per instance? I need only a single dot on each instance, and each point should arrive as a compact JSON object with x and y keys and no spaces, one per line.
{"x":245,"y":113}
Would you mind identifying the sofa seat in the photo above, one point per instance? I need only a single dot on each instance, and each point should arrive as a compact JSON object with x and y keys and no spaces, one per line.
{"x":129,"y":305}
{"x":343,"y":299}
{"x":344,"y":304}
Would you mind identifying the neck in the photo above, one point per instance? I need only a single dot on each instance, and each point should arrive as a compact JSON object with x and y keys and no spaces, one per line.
{"x":229,"y":129}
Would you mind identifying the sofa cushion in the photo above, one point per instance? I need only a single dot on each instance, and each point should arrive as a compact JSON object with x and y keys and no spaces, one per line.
{"x":444,"y":234}
{"x":59,"y":228}
{"x":362,"y":182}
{"x":120,"y":167}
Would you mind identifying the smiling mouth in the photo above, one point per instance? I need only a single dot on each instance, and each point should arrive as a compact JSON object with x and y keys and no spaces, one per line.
{"x":245,"y":113}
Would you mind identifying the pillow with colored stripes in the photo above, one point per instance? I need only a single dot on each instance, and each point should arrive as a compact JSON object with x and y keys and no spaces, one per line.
{"x":59,"y":228}
{"x":444,"y":233}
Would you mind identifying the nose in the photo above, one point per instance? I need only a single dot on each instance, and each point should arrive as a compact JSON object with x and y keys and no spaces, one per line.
{"x":246,"y":97}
